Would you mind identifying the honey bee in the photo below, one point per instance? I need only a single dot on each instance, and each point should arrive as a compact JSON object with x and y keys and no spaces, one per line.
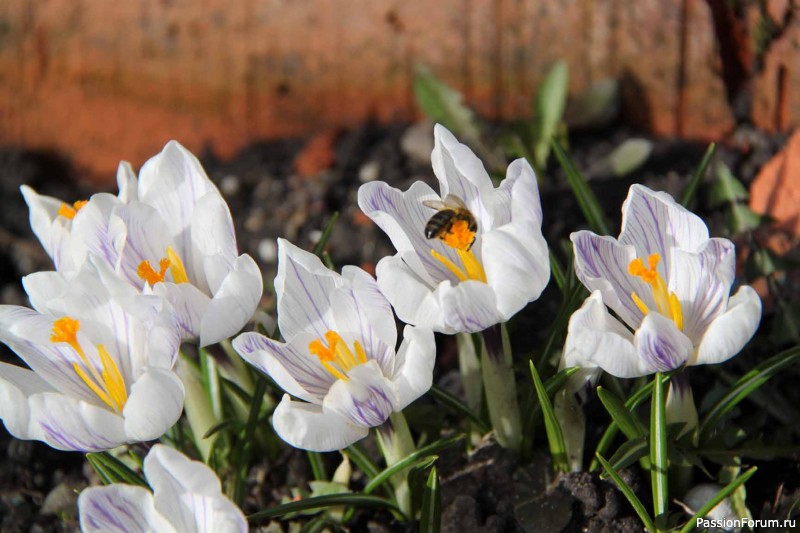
{"x":449,"y":211}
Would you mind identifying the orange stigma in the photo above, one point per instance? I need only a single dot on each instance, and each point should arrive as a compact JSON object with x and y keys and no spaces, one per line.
{"x":147,"y":273}
{"x":69,"y":211}
{"x":336,"y":357}
{"x":667,"y":302}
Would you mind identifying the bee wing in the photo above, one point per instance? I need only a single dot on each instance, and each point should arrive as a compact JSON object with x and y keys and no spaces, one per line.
{"x":451,"y":200}
{"x":435,"y":204}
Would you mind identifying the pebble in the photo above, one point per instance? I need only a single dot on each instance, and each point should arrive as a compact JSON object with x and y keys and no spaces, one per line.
{"x":230,"y":185}
{"x":417,"y":142}
{"x":268,"y":250}
{"x":369,"y":171}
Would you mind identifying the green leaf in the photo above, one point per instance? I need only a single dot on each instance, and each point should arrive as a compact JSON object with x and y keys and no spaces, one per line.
{"x":630,"y":452}
{"x":741,"y":219}
{"x":624,"y":418}
{"x":587,"y":200}
{"x":555,"y":438}
{"x":550,"y":103}
{"x":409,"y":460}
{"x":225,"y":424}
{"x":595,"y":107}
{"x":726,"y":188}
{"x":635,"y":502}
{"x":659,"y":461}
{"x":571,"y":300}
{"x":629,"y":156}
{"x":746,"y":385}
{"x":319,"y":248}
{"x":726,"y":491}
{"x":322,"y":502}
{"x":317,"y":466}
{"x":245,"y":445}
{"x":111,"y":470}
{"x":687,"y":198}
{"x":559,"y":275}
{"x":458,"y":407}
{"x":431,"y":515}
{"x":357,"y":454}
{"x":443,"y":104}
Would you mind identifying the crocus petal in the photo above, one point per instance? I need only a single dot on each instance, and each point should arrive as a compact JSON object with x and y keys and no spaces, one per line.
{"x":172,"y":182}
{"x":411,"y":297}
{"x":461,"y":173}
{"x":371,"y":304}
{"x":680,"y":407}
{"x":189,"y":493}
{"x":702,"y":282}
{"x":653,"y":222}
{"x":154,"y":405}
{"x":188,"y":305}
{"x":127,"y":183}
{"x":212,"y":228}
{"x":120,"y":509}
{"x":100,"y":230}
{"x":42,"y":288}
{"x":234,"y":303}
{"x":601,"y":263}
{"x":517,"y":267}
{"x":302,"y":287}
{"x":366,"y":399}
{"x":661,"y":344}
{"x":596,"y":339}
{"x":76,"y":425}
{"x":403,"y":216}
{"x":470,"y":306}
{"x":16,"y":386}
{"x":414,"y":365}
{"x":306,"y":426}
{"x":145,"y":239}
{"x":43,"y":211}
{"x":291,"y":366}
{"x":728,"y":334}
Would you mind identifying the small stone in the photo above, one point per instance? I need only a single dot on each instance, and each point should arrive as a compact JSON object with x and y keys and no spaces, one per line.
{"x":369,"y":171}
{"x":230,"y":185}
{"x":314,"y":236}
{"x":417,"y":142}
{"x":268,"y":250}
{"x":63,"y":499}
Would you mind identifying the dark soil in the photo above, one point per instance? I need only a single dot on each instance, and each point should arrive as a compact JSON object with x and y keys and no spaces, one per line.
{"x":485,"y":490}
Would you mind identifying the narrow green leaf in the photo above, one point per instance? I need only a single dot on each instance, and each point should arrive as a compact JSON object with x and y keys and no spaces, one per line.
{"x":245,"y":444}
{"x":629,"y":156}
{"x":630,"y":452}
{"x":726,"y":491}
{"x":659,"y":461}
{"x":317,"y":466}
{"x":624,"y":418}
{"x":687,"y":198}
{"x":237,"y":390}
{"x":635,"y":502}
{"x":319,"y":248}
{"x":587,"y":200}
{"x":112,"y":470}
{"x":559,"y":276}
{"x":458,"y":407}
{"x":555,"y":438}
{"x":410,"y":459}
{"x":746,"y":385}
{"x":726,"y":188}
{"x":442,"y":104}
{"x":550,"y":103}
{"x":559,"y":326}
{"x":225,"y":424}
{"x":322,"y":502}
{"x":431,"y":515}
{"x":357,"y":454}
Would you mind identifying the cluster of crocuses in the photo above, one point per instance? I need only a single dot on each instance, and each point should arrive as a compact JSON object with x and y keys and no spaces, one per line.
{"x":157,"y":265}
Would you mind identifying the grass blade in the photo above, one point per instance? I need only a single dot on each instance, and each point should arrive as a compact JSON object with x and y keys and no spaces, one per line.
{"x":630,"y":452}
{"x":458,"y":407}
{"x":726,"y":491}
{"x":357,"y":454}
{"x":410,"y":459}
{"x":555,"y":438}
{"x":321,"y":502}
{"x":317,"y":466}
{"x":112,"y":470}
{"x":245,"y":445}
{"x":622,"y":416}
{"x":635,"y":502}
{"x":559,"y":275}
{"x":431,"y":514}
{"x":587,"y":200}
{"x":746,"y":385}
{"x":697,"y":177}
{"x":659,"y":462}
{"x":326,"y":235}
{"x":551,"y":101}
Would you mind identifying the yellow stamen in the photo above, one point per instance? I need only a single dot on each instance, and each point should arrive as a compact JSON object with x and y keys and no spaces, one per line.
{"x":178,"y":271}
{"x":69,"y":211}
{"x":337,"y":353}
{"x":109,"y":385}
{"x":147,"y":273}
{"x":667,"y":302}
{"x":172,"y":262}
{"x":460,"y":238}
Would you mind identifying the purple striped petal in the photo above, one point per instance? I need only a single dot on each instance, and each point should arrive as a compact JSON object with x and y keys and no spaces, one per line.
{"x":119,"y":509}
{"x":366,"y":399}
{"x":661,"y":344}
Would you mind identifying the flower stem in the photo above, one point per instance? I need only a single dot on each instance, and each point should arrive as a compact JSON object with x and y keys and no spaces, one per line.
{"x":469,"y":367}
{"x":500,"y":386}
{"x":394,"y":439}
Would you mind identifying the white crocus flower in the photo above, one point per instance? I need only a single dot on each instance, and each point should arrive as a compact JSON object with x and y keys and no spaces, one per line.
{"x":100,"y":358}
{"x":668,"y":283}
{"x":339,"y":357}
{"x":169,"y":232}
{"x":489,"y":259}
{"x":186,"y":498}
